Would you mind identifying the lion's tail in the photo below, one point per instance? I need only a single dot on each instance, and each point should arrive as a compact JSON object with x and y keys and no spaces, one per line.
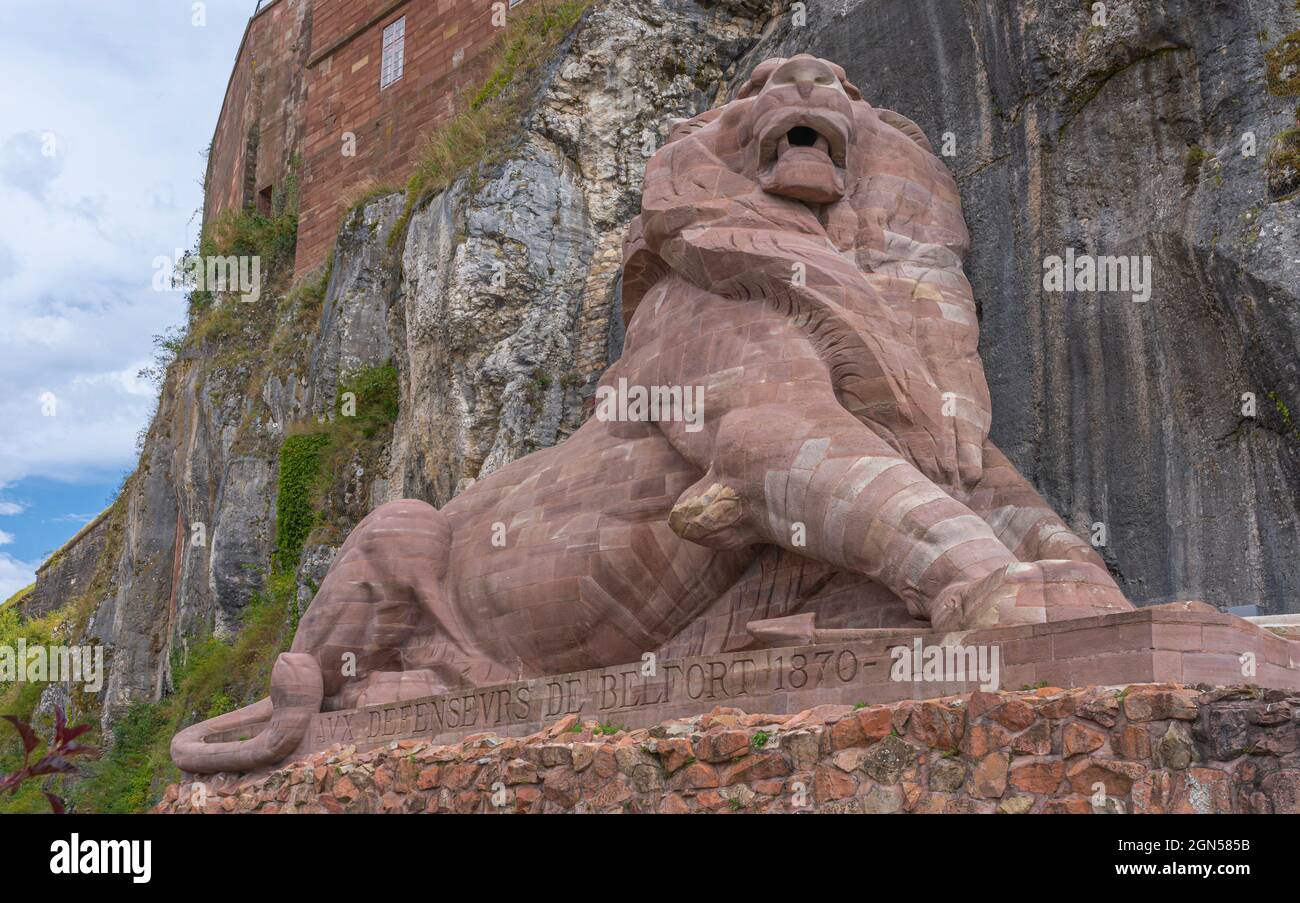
{"x":258,"y":735}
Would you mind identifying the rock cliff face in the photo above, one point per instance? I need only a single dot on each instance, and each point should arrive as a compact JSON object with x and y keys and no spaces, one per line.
{"x":498,"y":301}
{"x":68,"y":572}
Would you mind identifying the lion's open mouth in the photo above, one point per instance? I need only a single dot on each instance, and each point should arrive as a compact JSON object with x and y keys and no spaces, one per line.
{"x":801,"y":136}
{"x":802,"y":153}
{"x":804,"y":133}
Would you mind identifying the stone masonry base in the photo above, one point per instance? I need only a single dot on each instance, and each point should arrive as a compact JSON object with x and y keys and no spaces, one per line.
{"x":1141,"y":748}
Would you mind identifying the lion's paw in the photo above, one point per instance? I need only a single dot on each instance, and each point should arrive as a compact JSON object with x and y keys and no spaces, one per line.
{"x":1036,"y":592}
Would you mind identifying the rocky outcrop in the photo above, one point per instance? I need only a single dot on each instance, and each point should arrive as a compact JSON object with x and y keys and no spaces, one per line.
{"x":353,"y":331}
{"x":1143,"y":748}
{"x":1119,"y":135}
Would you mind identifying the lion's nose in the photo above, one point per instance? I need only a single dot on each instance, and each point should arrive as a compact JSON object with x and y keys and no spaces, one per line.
{"x":805,"y":73}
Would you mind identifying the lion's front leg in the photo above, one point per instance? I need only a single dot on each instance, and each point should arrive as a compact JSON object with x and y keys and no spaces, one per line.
{"x":808,"y":476}
{"x":1021,"y":518}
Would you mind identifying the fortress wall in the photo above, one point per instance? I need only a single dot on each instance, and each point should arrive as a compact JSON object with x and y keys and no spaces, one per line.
{"x":443,"y":38}
{"x":259,"y":130}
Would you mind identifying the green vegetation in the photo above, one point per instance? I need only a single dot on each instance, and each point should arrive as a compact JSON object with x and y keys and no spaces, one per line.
{"x":489,"y":119}
{"x":759,"y":740}
{"x":21,"y":699}
{"x":1282,"y":66}
{"x":1196,"y":156}
{"x":17,"y":597}
{"x":1284,"y":163}
{"x":366,"y":192}
{"x":352,"y":441}
{"x":1289,"y":428}
{"x":273,"y":239}
{"x":609,"y":728}
{"x":211,"y":678}
{"x":294,"y":514}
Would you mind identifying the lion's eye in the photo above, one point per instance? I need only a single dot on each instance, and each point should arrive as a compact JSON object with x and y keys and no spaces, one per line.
{"x":825,"y":80}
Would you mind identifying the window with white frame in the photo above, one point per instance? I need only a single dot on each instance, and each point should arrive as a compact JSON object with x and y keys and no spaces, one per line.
{"x":394,"y":53}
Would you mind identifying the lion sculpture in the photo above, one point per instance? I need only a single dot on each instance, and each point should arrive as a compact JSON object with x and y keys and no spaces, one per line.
{"x":799,"y":257}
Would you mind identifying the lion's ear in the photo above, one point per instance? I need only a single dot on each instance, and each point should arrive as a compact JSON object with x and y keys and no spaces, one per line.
{"x":906,"y":126}
{"x":683,"y":127}
{"x":758,"y":78}
{"x":848,"y":86}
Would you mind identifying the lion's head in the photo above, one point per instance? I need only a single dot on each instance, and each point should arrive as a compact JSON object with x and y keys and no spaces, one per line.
{"x":798,"y":130}
{"x":798,"y":151}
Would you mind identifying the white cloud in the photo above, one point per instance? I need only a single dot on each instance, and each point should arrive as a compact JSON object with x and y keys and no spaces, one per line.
{"x":15,"y":574}
{"x":5,"y":538}
{"x":11,"y":508}
{"x":128,"y":112}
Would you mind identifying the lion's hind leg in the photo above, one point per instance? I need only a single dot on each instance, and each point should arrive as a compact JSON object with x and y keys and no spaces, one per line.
{"x":379,"y":595}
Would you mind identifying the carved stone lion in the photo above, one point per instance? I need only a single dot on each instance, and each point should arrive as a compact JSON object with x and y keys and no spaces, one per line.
{"x":799,"y":257}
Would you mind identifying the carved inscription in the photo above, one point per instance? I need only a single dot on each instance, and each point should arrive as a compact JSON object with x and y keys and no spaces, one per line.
{"x":620,"y":693}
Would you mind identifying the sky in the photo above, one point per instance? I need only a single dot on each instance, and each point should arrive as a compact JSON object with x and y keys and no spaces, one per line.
{"x":106,"y":109}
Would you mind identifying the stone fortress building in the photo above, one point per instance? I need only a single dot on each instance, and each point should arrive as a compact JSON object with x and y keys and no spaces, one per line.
{"x":337,"y":94}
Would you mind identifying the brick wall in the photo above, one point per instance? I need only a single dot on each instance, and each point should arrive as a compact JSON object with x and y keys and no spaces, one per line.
{"x":1153,"y":748}
{"x":307,"y":74}
{"x":259,"y":130}
{"x":443,"y":38}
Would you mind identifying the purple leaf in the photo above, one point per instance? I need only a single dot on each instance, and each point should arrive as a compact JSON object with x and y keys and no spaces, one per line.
{"x":73,"y":733}
{"x":29,"y":738}
{"x":53,"y":764}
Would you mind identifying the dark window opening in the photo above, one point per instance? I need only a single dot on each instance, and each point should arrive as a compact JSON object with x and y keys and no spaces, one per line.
{"x":264,"y":198}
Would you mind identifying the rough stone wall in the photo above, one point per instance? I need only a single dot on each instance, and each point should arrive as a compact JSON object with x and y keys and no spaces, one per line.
{"x":1143,"y":748}
{"x":1123,"y":138}
{"x":444,"y":39}
{"x":67,"y":573}
{"x":259,"y":130}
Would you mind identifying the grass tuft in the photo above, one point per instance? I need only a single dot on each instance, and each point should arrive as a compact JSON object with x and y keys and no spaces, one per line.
{"x":489,"y":119}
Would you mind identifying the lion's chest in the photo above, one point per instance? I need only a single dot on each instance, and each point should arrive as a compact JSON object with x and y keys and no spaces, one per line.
{"x":934,"y":308}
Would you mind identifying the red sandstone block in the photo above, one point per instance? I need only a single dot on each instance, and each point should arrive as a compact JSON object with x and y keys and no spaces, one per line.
{"x":1219,"y":668}
{"x":1102,"y":640}
{"x":1126,"y":667}
{"x":1037,"y":777}
{"x":1175,"y":636}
